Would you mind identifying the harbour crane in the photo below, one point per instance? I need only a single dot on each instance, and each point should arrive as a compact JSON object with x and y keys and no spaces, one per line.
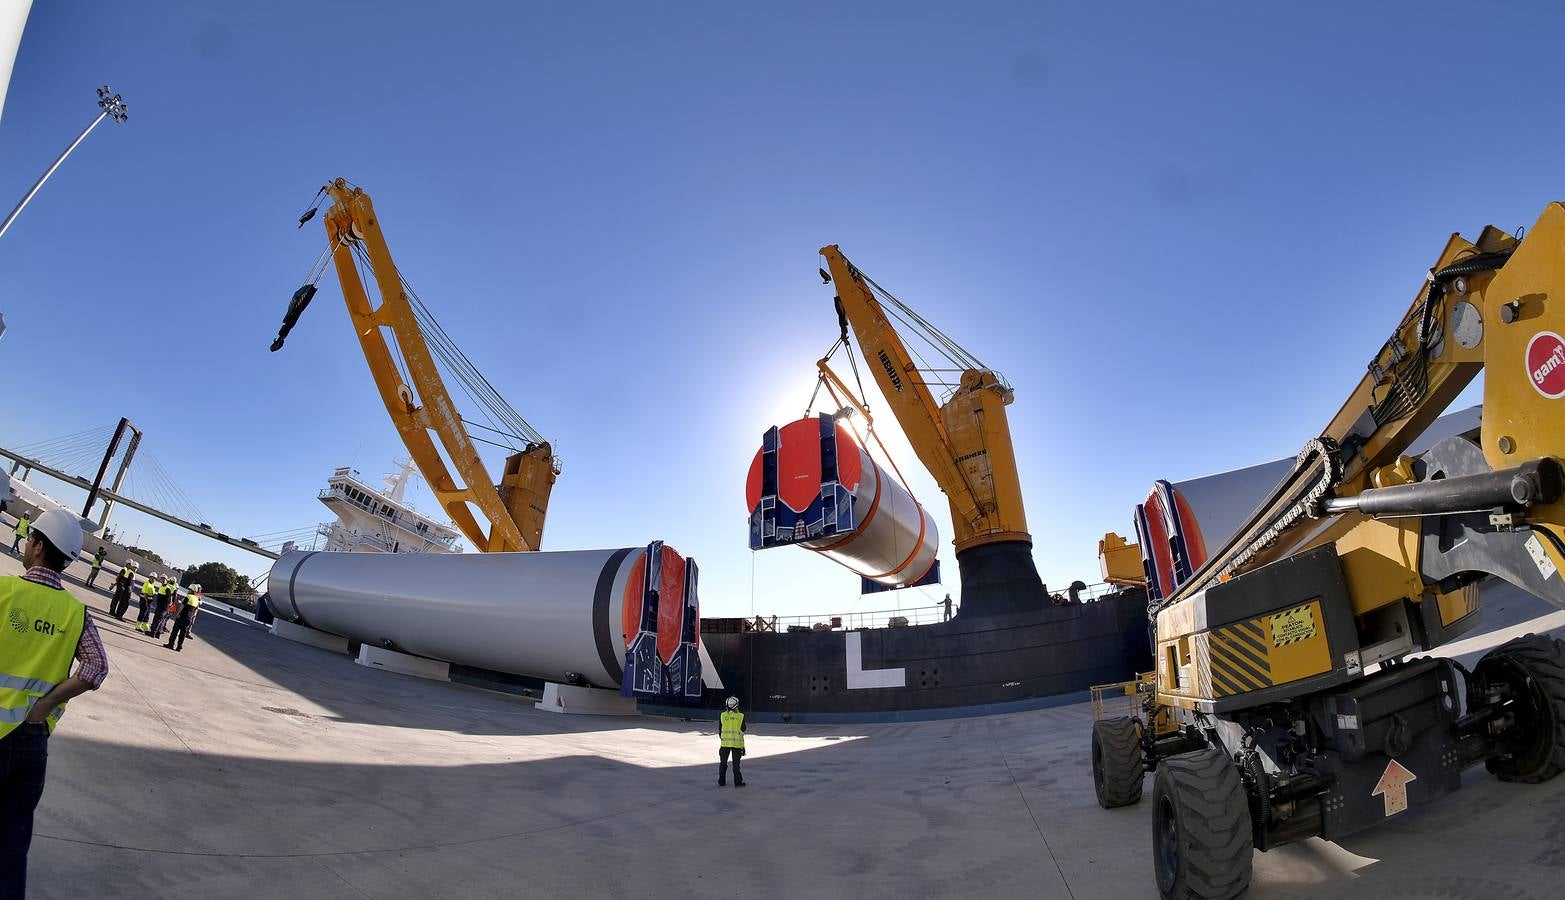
{"x":402,"y":342}
{"x":964,"y":441}
{"x":1287,"y":701}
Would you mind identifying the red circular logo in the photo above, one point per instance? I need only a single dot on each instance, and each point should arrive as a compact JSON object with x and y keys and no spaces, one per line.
{"x":1546,"y":364}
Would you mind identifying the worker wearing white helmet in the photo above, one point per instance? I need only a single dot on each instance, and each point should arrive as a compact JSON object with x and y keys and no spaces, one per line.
{"x":731,"y":729}
{"x":167,"y":605}
{"x":185,"y":618}
{"x":148,"y":601}
{"x":42,"y":629}
{"x":119,"y":604}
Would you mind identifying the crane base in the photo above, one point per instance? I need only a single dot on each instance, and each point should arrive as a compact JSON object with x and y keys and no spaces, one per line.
{"x":1000,"y":578}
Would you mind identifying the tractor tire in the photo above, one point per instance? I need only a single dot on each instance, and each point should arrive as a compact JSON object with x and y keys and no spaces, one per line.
{"x":1201,"y":840}
{"x":1534,"y":667}
{"x":1118,"y":767}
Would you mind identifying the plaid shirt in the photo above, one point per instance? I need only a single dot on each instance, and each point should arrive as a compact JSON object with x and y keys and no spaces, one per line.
{"x":92,"y":662}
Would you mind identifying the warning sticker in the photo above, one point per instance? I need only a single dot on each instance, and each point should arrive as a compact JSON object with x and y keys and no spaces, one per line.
{"x":1540,"y":557}
{"x":1292,"y":626}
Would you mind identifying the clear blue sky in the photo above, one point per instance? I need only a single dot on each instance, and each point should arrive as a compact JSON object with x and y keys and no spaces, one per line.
{"x":1180,"y":232}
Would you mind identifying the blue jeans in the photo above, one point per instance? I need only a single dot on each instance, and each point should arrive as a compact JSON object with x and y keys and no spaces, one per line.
{"x":24,"y":754}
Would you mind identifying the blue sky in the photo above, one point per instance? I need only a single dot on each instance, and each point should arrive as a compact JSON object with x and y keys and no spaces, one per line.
{"x":1180,"y":232}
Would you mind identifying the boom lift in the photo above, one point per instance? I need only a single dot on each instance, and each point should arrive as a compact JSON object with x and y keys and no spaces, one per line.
{"x":1286,"y":702}
{"x":397,"y":337}
{"x":965,"y":442}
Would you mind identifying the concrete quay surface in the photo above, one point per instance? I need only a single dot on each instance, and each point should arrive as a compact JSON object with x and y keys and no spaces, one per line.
{"x":250,"y":766}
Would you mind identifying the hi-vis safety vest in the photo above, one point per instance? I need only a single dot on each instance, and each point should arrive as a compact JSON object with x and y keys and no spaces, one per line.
{"x":193,"y":600}
{"x":22,"y":527}
{"x":39,"y":629}
{"x":732,"y":732}
{"x":148,"y":588}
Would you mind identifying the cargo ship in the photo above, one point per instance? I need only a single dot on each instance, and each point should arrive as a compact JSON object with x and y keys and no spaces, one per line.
{"x":983,"y":660}
{"x":1011,"y":645}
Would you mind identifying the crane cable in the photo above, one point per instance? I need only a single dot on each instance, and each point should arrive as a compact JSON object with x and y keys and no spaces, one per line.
{"x":869,"y":426}
{"x":504,"y":420}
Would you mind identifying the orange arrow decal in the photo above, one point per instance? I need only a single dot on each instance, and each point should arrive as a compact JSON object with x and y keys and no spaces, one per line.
{"x":1392,"y":787}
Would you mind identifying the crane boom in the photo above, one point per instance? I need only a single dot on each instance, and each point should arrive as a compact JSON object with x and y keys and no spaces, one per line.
{"x":1436,"y":351}
{"x":965,"y":443}
{"x":516,"y":509}
{"x":1290,"y":666}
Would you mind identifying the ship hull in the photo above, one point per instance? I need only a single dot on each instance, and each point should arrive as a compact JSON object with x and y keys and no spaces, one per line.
{"x":978,"y":663}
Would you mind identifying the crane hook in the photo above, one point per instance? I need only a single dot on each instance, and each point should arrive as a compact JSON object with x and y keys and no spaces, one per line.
{"x":296,"y":307}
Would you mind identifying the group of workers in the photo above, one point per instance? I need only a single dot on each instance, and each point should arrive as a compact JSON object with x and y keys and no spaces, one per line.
{"x":160,"y":603}
{"x":43,"y":629}
{"x":50,"y":629}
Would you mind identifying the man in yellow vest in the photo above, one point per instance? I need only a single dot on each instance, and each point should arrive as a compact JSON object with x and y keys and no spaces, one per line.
{"x":165,"y":606}
{"x":97,"y":563}
{"x":187,"y":617}
{"x":123,"y":582}
{"x":42,"y":629}
{"x":22,"y":525}
{"x":731,"y":730}
{"x":148,"y":601}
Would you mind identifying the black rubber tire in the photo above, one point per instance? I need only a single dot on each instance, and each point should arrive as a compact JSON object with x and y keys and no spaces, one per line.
{"x":1118,"y":767}
{"x":1201,"y":841}
{"x":1534,"y":666}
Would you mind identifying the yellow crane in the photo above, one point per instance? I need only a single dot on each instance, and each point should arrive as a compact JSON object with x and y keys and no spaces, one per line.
{"x":1286,"y":702}
{"x":964,"y":441}
{"x":401,"y":342}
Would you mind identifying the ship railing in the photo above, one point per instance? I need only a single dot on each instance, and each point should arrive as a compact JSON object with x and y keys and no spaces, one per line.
{"x":850,"y":621}
{"x":395,"y":518}
{"x":895,"y":618}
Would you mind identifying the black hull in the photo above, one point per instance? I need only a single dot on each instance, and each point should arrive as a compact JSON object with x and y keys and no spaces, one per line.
{"x":970,"y":665}
{"x":1009,"y":647}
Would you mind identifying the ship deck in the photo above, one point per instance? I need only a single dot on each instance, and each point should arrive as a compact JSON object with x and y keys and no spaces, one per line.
{"x":251,"y":766}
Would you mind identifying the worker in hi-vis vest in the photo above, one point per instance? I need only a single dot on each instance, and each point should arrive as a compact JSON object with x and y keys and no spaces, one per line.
{"x":42,"y":629}
{"x":164,"y":606}
{"x":123,"y":582}
{"x":731,"y":730}
{"x":22,"y":524}
{"x":185,"y":618}
{"x":148,"y":600}
{"x":97,"y":563}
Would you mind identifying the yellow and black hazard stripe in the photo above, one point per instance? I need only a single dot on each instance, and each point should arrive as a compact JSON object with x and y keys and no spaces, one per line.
{"x":1240,"y":659}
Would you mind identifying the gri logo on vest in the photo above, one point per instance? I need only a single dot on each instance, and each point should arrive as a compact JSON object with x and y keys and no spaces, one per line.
{"x":18,"y":619}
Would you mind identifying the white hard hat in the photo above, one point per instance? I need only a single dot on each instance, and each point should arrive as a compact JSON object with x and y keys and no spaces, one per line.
{"x":195,"y":587}
{"x":63,"y":530}
{"x":731,"y":703}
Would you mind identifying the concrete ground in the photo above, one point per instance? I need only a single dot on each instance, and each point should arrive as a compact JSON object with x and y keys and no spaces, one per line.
{"x":251,"y":766}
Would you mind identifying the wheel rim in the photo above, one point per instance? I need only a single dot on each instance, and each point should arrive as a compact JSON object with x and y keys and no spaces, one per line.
{"x":1165,"y":833}
{"x":1531,"y":708}
{"x":1097,"y":767}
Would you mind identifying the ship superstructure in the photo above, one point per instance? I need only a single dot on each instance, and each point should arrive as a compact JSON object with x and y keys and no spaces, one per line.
{"x":380,"y":520}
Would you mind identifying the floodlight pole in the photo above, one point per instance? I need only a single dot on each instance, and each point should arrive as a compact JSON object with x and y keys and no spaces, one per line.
{"x":112,"y":106}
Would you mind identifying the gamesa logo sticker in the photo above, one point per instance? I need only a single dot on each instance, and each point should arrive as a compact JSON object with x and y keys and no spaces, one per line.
{"x":19,"y":621}
{"x":1546,"y":364}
